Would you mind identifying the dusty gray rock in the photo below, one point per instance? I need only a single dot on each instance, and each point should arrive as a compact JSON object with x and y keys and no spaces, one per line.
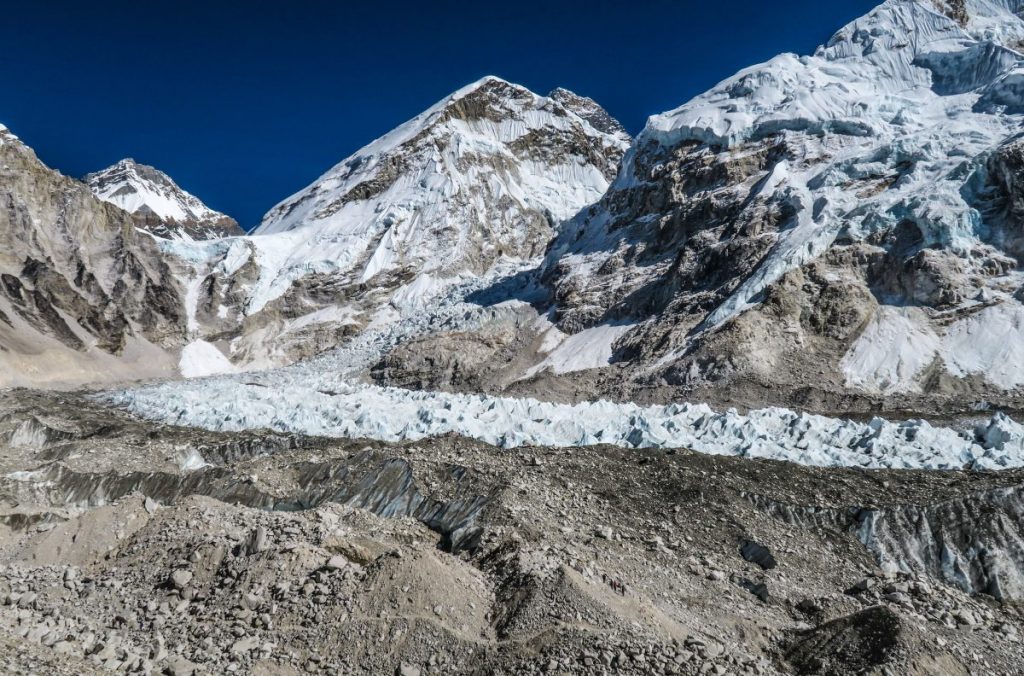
{"x":84,"y":297}
{"x":180,"y":579}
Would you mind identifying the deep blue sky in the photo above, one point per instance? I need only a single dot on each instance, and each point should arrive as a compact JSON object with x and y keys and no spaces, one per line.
{"x":243,"y":103}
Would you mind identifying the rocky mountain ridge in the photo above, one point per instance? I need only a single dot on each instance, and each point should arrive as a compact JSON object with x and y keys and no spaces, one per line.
{"x":84,"y":297}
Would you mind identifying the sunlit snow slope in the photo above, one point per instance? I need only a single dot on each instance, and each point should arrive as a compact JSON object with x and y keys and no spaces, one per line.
{"x":481,"y":178}
{"x":158,"y":204}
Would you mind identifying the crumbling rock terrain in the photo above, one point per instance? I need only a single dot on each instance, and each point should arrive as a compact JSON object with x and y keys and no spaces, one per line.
{"x":133,"y":546}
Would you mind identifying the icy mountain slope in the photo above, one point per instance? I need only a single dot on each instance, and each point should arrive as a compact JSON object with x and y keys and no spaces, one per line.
{"x":804,"y":221}
{"x":84,"y":297}
{"x":158,"y":204}
{"x":485,"y":173}
{"x":480,"y":179}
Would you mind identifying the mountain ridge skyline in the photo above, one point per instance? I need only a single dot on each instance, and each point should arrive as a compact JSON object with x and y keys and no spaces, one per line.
{"x":278,"y":107}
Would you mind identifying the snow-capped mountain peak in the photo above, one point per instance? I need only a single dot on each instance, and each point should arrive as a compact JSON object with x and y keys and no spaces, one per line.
{"x":476,"y":182}
{"x":476,"y":117}
{"x":866,"y":80}
{"x":157,"y":203}
{"x":483,"y":174}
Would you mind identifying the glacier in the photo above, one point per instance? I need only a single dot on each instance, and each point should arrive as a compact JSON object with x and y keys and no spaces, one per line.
{"x":324,"y":396}
{"x":323,"y":404}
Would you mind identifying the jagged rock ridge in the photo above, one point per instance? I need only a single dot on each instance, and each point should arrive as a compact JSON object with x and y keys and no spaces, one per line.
{"x":84,"y":297}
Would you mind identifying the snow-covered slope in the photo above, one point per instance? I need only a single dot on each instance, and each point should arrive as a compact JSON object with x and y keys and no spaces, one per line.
{"x":480,"y":179}
{"x":158,"y":204}
{"x":485,"y":173}
{"x":848,"y":219}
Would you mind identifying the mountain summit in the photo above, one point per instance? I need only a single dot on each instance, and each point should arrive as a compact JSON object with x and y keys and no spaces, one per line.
{"x":484,"y":174}
{"x":158,"y":204}
{"x":481,"y":179}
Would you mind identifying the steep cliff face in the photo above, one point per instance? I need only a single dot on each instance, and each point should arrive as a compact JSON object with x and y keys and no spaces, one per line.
{"x":840,"y":229}
{"x":158,"y":204}
{"x":84,"y":297}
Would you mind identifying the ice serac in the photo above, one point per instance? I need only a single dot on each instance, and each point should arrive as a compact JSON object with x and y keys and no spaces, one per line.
{"x":158,"y":204}
{"x":816,"y":226}
{"x":312,"y":400}
{"x":480,"y":179}
{"x":84,"y":297}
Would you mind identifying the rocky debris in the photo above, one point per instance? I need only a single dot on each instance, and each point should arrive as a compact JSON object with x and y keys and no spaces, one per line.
{"x":759,"y":554}
{"x":255,"y":543}
{"x":860,"y":642}
{"x":591,"y":560}
{"x":758,"y":589}
{"x":180,"y":579}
